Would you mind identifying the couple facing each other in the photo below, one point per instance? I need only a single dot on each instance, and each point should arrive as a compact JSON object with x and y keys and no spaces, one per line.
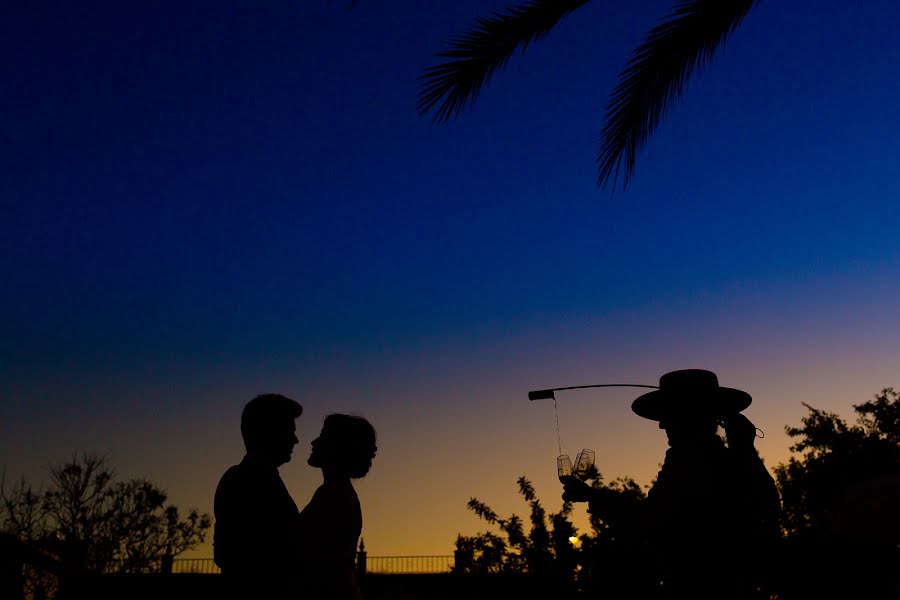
{"x":264,"y":545}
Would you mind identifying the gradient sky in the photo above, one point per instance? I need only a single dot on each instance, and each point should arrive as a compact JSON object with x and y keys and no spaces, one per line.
{"x":202,"y":204}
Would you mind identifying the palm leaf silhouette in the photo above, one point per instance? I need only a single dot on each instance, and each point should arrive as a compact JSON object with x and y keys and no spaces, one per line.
{"x":474,"y":56}
{"x":649,"y":85}
{"x":654,"y":78}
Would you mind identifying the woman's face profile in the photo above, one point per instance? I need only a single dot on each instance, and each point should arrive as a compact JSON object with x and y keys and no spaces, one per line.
{"x":319,"y":452}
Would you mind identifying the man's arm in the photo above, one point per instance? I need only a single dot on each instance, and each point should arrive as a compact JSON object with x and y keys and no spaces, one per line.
{"x":755,"y":485}
{"x":604,"y":503}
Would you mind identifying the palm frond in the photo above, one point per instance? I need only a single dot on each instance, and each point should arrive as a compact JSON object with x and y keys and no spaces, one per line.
{"x":655,"y":76}
{"x":474,"y":56}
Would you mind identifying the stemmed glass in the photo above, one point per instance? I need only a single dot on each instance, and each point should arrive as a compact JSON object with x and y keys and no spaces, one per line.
{"x":583,"y":468}
{"x":564,"y":469}
{"x":584,"y":464}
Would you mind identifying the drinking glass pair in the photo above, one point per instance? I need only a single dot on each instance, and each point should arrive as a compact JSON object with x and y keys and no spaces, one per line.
{"x":584,"y":465}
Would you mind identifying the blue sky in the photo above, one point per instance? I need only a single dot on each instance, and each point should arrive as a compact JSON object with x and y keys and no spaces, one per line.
{"x":203,"y":204}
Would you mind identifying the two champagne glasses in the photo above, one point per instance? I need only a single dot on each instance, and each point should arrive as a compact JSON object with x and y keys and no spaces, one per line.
{"x":582,"y":470}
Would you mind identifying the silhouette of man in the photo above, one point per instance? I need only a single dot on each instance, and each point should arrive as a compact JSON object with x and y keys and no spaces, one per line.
{"x":255,"y":538}
{"x":712,"y":513}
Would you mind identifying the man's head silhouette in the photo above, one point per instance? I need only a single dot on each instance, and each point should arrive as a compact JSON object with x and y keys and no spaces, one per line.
{"x":689,"y":405}
{"x":268,"y":428}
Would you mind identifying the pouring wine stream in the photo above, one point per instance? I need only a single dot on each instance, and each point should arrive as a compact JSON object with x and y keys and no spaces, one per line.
{"x":584,"y":462}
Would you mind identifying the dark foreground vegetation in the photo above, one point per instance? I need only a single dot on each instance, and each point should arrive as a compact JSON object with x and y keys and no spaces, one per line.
{"x":839,"y":522}
{"x":86,"y":520}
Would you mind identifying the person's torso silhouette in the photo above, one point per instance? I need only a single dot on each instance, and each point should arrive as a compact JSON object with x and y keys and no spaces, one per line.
{"x":713,"y":508}
{"x":255,"y":539}
{"x":711,"y":514}
{"x":330,"y":525}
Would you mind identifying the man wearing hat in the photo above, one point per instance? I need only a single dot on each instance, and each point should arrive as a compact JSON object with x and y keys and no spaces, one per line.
{"x":712,"y":513}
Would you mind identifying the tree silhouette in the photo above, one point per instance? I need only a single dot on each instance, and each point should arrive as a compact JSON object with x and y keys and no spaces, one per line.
{"x":89,"y":521}
{"x":840,"y":495}
{"x":836,"y":459}
{"x":614,"y":559}
{"x":552,"y":547}
{"x":649,"y":85}
{"x":537,"y":551}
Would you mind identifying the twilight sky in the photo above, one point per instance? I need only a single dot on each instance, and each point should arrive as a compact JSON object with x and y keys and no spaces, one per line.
{"x":203,"y":204}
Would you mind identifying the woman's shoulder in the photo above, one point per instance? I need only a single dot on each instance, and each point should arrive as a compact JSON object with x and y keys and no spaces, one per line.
{"x":330,"y":516}
{"x":334,"y":495}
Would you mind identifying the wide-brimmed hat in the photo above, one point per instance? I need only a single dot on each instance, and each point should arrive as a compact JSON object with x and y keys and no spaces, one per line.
{"x":690,"y":392}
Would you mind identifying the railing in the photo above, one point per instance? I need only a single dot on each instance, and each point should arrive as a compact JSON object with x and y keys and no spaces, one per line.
{"x":195,"y":565}
{"x":374,"y":564}
{"x":440,"y":563}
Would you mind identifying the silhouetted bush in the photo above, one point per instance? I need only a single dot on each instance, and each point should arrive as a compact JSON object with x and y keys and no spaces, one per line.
{"x":89,"y":522}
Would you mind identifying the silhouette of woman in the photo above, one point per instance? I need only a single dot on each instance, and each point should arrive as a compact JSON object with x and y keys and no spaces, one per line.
{"x":332,"y":521}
